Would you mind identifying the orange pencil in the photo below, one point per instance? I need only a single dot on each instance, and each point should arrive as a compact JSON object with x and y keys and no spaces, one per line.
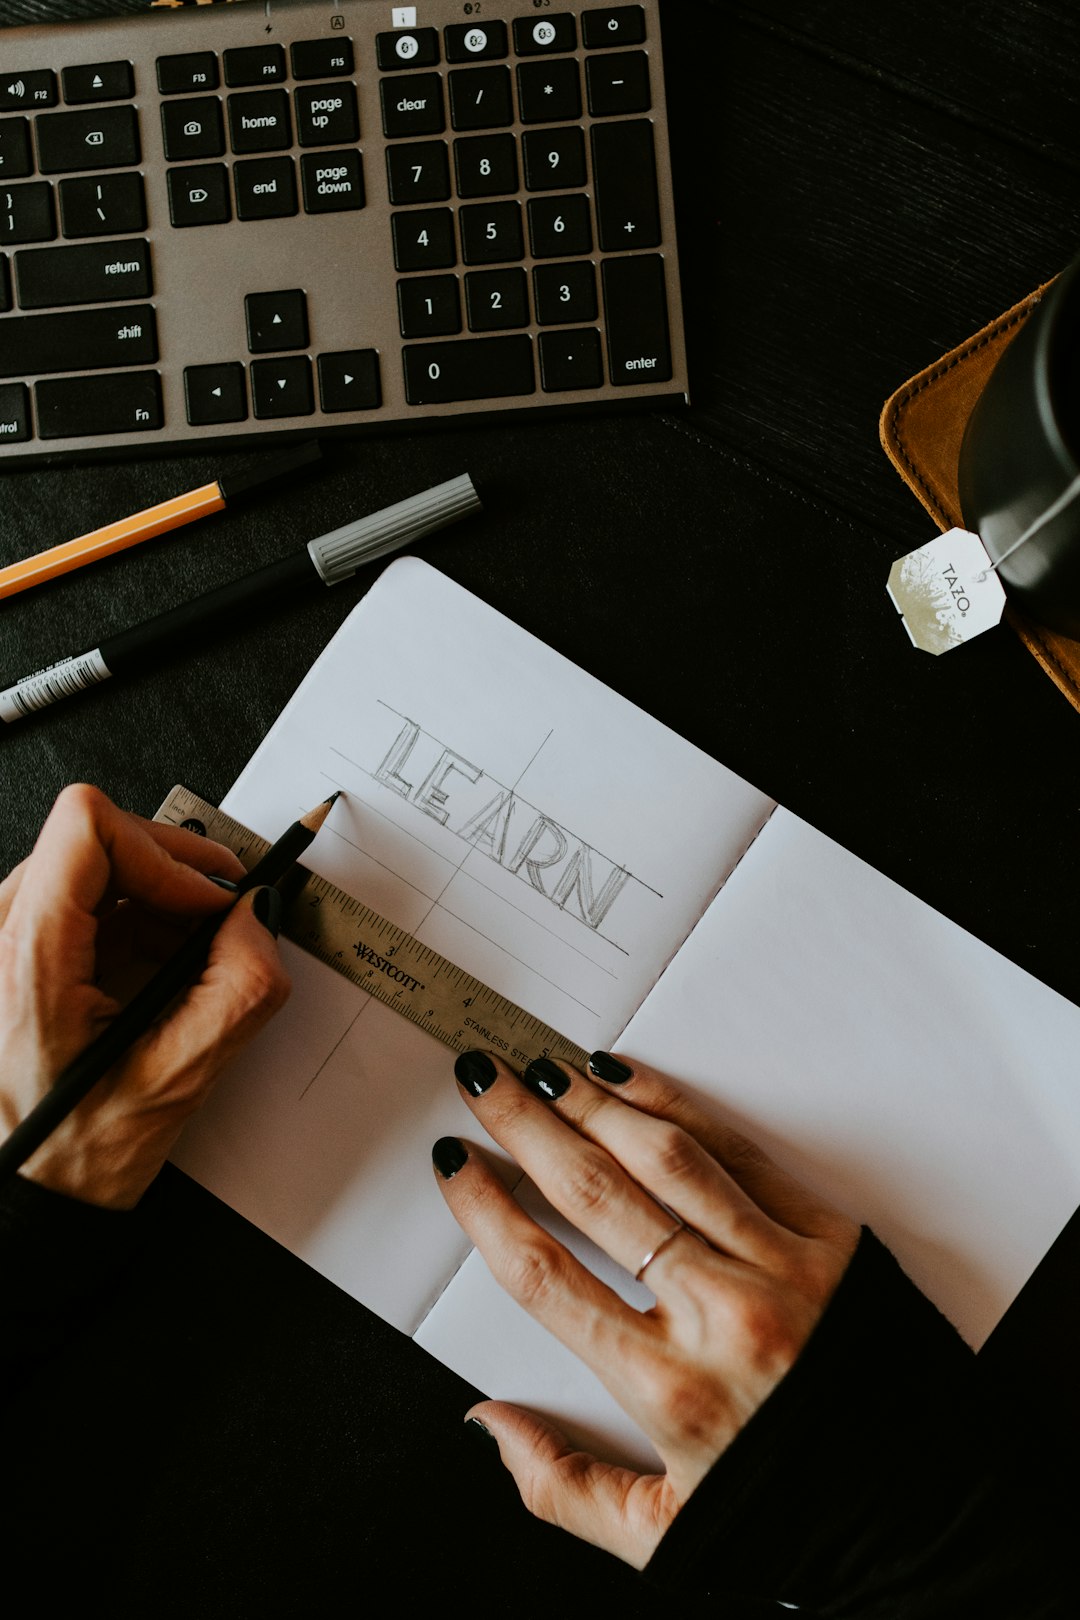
{"x":129,"y":531}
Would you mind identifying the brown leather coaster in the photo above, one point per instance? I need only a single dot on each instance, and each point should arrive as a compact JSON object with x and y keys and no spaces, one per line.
{"x":922,"y":426}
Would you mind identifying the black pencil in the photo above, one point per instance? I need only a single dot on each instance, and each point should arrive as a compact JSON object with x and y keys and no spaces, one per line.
{"x":185,"y":965}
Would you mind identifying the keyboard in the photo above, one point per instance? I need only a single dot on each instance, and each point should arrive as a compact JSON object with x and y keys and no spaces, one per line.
{"x":311,"y":218}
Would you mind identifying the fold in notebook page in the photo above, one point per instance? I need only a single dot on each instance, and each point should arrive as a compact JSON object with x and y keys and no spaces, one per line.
{"x":598,"y":870}
{"x":515,"y":815}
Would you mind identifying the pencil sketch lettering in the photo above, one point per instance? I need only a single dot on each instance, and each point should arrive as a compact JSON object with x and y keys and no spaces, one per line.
{"x":500,"y":824}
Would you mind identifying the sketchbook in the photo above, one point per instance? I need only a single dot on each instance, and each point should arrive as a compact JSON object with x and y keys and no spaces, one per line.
{"x":558,"y":843}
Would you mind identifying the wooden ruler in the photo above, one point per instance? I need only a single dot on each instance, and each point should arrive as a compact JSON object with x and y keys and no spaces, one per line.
{"x":381,"y":958}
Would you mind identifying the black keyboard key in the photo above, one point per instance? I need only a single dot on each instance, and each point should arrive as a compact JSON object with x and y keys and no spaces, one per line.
{"x":559,"y":225}
{"x":192,"y":129}
{"x":424,"y":239}
{"x":98,"y":138}
{"x":349,"y":380}
{"x":180,"y":75}
{"x":549,"y":91}
{"x":276,"y":320}
{"x":570,"y":360}
{"x":412,"y":106}
{"x":429,"y":306}
{"x":564,"y":292}
{"x":332,"y":181}
{"x":99,"y":81}
{"x":553,"y":158}
{"x":15,"y":158}
{"x":542,"y":35}
{"x":617,"y":84}
{"x":215,"y":394}
{"x":624,"y":175}
{"x":90,"y":273}
{"x":18,"y":91}
{"x":491,"y":232}
{"x":485,"y":165}
{"x":265,"y":188}
{"x":5,"y":285}
{"x":199,"y":195}
{"x":321,"y":58}
{"x":78,"y":340}
{"x":14,"y":413}
{"x":326,"y":114}
{"x":254,"y":64}
{"x":635,"y":304}
{"x":27,"y":213}
{"x":87,"y":407}
{"x":613,"y":25}
{"x":103,"y":205}
{"x":475,"y":42}
{"x":480,"y":98}
{"x":471,"y":368}
{"x":496,"y":300}
{"x":418,"y":172}
{"x":414,"y":47}
{"x":259,"y":121}
{"x":282,"y":387}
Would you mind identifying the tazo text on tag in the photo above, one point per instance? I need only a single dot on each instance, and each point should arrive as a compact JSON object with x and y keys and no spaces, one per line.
{"x":946,"y":591}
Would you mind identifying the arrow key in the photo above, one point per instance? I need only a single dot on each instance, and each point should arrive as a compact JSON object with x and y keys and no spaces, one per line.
{"x":276,"y":320}
{"x":349,"y":380}
{"x":282,"y":387}
{"x":215,"y":394}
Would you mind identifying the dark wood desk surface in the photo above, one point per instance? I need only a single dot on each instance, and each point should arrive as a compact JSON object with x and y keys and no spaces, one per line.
{"x":859,"y":189}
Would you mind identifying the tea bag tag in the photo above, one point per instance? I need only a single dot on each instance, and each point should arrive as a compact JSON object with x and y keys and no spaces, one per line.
{"x":947,"y":592}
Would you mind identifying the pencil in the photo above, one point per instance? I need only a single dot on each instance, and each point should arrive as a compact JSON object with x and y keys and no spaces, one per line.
{"x":131,"y":531}
{"x":185,"y":965}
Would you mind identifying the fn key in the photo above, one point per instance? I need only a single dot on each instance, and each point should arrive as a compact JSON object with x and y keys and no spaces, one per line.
{"x":635,"y":302}
{"x":78,"y":407}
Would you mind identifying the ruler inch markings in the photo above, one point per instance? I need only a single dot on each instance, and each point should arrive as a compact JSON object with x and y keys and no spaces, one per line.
{"x":404,"y":974}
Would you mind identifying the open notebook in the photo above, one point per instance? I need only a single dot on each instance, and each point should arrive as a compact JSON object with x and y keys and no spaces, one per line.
{"x":552,"y":839}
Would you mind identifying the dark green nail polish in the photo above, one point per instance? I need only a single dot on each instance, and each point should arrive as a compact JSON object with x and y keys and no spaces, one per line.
{"x":222,"y":883}
{"x":545,"y":1079}
{"x":605,"y":1067}
{"x":267,"y":907}
{"x":475,"y":1071}
{"x":448,"y":1155}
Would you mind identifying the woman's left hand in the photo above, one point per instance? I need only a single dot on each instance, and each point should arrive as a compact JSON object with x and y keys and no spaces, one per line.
{"x":741,"y":1258}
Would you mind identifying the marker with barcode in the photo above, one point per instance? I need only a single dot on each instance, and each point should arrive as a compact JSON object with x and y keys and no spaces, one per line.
{"x":328,"y":560}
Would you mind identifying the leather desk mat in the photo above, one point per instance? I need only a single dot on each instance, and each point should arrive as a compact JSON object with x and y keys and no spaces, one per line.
{"x":922,"y":426}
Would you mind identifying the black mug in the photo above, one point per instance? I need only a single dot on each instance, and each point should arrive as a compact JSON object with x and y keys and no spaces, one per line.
{"x":1020,"y":455}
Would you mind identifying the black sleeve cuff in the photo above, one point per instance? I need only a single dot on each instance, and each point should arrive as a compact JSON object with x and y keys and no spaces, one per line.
{"x":870,"y":1482}
{"x":58,"y":1257}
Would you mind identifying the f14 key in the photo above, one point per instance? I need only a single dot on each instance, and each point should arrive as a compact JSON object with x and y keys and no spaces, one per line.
{"x":326,"y":216}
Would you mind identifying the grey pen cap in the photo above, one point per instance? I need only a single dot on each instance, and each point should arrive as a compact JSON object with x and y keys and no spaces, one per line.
{"x":338,"y":555}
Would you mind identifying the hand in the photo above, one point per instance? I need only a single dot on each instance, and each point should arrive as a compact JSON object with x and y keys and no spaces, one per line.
{"x":739,"y":1287}
{"x":102,"y":898}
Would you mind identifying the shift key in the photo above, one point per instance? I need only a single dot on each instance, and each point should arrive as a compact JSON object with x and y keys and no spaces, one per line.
{"x":635,"y":303}
{"x":79,"y":340}
{"x":90,"y":273}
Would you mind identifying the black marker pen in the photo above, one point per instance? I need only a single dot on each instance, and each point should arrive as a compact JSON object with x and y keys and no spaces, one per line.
{"x":328,"y":560}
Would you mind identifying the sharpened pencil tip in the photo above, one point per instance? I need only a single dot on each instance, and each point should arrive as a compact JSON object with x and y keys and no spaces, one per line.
{"x":315,"y":818}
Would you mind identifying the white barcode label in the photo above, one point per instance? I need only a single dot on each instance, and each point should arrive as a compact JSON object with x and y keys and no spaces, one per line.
{"x":60,"y":680}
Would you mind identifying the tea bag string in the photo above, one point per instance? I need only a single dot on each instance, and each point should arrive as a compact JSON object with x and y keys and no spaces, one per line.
{"x":1065,"y":499}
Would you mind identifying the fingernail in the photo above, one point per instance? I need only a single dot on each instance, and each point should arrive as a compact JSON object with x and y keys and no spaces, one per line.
{"x":605,"y":1067}
{"x":545,"y":1079}
{"x":481,"y":1430}
{"x":266,"y":904}
{"x":448,"y":1155}
{"x":223,"y":883}
{"x":475,"y":1071}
